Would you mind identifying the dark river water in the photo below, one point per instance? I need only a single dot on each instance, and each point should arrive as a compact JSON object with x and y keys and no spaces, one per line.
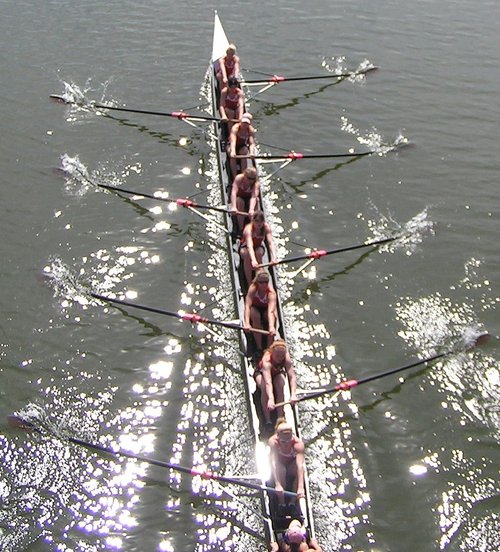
{"x":404,"y":463}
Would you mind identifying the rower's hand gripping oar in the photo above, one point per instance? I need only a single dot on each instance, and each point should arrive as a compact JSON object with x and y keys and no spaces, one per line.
{"x":175,"y":114}
{"x":349,"y":384}
{"x":181,"y":202}
{"x":318,"y":254}
{"x":190,"y":317}
{"x":17,"y":421}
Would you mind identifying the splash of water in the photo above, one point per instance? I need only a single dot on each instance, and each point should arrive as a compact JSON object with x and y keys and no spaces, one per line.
{"x":80,"y":180}
{"x":373,"y":140}
{"x":337,"y":65}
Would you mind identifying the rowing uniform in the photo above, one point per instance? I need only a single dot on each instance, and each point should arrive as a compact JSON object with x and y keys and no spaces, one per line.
{"x":261,"y":302}
{"x":230,"y":64}
{"x":245,"y":188}
{"x":232,"y":101}
{"x":242,"y":138}
{"x":276,"y":369}
{"x":287,"y":457}
{"x":257,"y":238}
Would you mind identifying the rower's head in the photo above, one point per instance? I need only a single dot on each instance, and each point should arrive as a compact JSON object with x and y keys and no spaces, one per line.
{"x":250,"y":173}
{"x":295,"y":533}
{"x":261,"y":277}
{"x":232,"y":82}
{"x":246,"y":119}
{"x":231,"y":50}
{"x":258,"y":218}
{"x":278,"y":350}
{"x":284,"y":430}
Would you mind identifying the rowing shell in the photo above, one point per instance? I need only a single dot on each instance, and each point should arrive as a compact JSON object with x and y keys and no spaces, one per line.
{"x":274,"y":523}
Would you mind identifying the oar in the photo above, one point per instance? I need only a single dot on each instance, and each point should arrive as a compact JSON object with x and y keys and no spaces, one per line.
{"x":322,"y":252}
{"x":278,"y":78}
{"x":349,"y":384}
{"x":190,"y":317}
{"x":19,"y":422}
{"x":182,"y":202}
{"x":175,"y":114}
{"x":293,"y":155}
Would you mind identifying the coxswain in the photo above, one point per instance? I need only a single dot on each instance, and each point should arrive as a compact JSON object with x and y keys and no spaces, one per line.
{"x":274,"y":368}
{"x":245,"y":193}
{"x":229,"y":66}
{"x":241,"y":142}
{"x":260,"y":307}
{"x":295,"y":538}
{"x":232,"y":100}
{"x":287,"y":462}
{"x":255,"y":233}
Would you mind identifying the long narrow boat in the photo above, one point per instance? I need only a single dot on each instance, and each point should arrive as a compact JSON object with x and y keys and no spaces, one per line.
{"x":275,"y":521}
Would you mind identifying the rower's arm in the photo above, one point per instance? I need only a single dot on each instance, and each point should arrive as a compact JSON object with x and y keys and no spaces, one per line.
{"x":270,"y":243}
{"x":222,"y":65}
{"x":292,"y":379}
{"x":248,"y":306}
{"x":300,"y":467}
{"x":222,"y":108}
{"x":271,"y":311}
{"x":234,"y":194}
{"x":252,"y":205}
{"x":268,"y":382}
{"x":251,"y":144}
{"x":232,"y":141}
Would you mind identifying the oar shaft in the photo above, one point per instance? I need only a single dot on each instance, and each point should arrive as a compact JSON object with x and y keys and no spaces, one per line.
{"x":132,"y":192}
{"x":277,"y":78}
{"x":175,"y":114}
{"x":182,"y":202}
{"x":346,"y":385}
{"x":190,"y":317}
{"x":317,"y":254}
{"x":19,"y":422}
{"x":294,"y":156}
{"x":135,"y":305}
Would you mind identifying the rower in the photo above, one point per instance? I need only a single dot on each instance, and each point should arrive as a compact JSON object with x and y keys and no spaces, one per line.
{"x":245,"y":193}
{"x":270,"y":375}
{"x":255,"y":233}
{"x":232,"y":101}
{"x":229,"y":66}
{"x":241,"y":142}
{"x":287,"y":463}
{"x":260,"y":307}
{"x":295,"y":538}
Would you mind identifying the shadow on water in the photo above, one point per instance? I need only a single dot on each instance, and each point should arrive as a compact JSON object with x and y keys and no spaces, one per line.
{"x":190,"y":145}
{"x":269,"y":108}
{"x":303,"y":296}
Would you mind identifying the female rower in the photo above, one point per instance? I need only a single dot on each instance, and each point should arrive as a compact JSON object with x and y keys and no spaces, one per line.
{"x":260,"y":307}
{"x":287,"y":461}
{"x":273,"y":369}
{"x":229,"y":66}
{"x":245,"y":194}
{"x":255,"y":233}
{"x":231,"y":102}
{"x":295,"y":538}
{"x":241,"y":142}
